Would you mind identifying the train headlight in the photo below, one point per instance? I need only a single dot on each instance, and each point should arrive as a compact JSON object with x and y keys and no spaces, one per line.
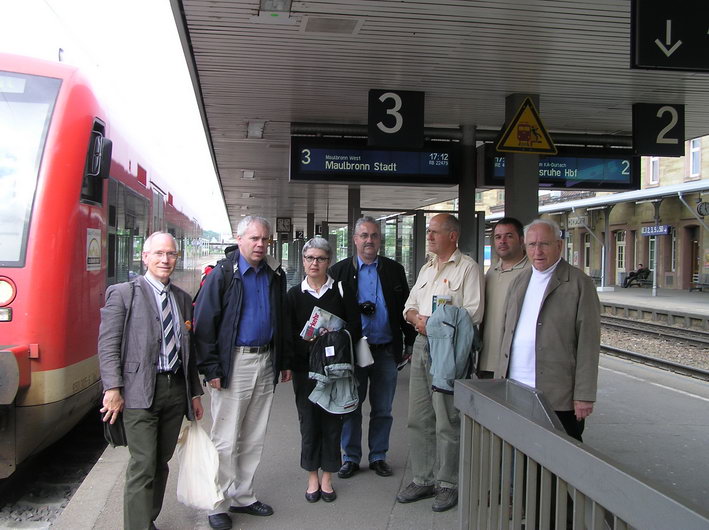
{"x":7,"y":291}
{"x":5,"y":314}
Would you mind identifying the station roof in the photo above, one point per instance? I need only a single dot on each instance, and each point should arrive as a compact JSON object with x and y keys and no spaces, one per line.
{"x":466,"y":55}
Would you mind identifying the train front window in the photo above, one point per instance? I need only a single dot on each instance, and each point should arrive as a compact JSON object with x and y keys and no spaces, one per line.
{"x":26,"y":106}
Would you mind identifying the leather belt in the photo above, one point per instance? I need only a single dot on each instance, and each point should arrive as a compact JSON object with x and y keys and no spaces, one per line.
{"x":253,"y":349}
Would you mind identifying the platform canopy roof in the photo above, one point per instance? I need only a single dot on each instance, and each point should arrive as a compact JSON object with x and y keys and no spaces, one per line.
{"x":466,"y":55}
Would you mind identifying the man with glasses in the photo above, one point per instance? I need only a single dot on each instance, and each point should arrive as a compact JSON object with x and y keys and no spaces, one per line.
{"x":380,"y":284}
{"x":239,"y":332}
{"x":149,"y":374}
{"x":434,"y":424}
{"x":551,"y":338}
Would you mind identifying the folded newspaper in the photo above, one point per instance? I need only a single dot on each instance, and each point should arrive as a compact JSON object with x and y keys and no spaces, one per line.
{"x":321,"y":319}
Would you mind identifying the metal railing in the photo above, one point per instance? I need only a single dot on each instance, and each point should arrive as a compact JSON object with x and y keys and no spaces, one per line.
{"x":518,"y":469}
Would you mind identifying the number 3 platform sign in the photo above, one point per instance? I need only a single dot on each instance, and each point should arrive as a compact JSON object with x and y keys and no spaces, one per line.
{"x":658,"y":129}
{"x":396,"y":118}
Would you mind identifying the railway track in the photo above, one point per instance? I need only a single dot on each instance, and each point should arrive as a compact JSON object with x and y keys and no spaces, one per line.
{"x":698,"y":338}
{"x":656,"y":362}
{"x":40,"y":489}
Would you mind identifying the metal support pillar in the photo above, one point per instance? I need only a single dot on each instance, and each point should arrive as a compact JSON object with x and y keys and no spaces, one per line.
{"x":354,"y":212}
{"x":469,"y":241}
{"x":521,"y":170}
{"x":309,"y":225}
{"x":419,"y":241}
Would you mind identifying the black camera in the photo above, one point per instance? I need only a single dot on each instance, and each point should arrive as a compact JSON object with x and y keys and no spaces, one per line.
{"x":367,"y":308}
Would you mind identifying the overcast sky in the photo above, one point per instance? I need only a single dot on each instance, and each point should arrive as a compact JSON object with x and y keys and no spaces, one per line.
{"x":131,"y":52}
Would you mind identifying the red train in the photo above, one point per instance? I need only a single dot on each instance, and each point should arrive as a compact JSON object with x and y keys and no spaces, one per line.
{"x":76,"y":204}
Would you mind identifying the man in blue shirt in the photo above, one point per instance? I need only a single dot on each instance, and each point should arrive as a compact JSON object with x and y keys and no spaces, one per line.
{"x":381,"y":287}
{"x":238,"y":327}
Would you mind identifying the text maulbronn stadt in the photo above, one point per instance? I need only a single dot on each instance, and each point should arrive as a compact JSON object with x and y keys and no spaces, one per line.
{"x":352,"y":163}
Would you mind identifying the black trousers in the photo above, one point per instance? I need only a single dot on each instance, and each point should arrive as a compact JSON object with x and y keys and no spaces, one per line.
{"x":319,"y":430}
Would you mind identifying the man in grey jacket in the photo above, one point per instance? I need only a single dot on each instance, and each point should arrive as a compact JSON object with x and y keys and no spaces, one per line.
{"x":552,"y":332}
{"x":149,"y":374}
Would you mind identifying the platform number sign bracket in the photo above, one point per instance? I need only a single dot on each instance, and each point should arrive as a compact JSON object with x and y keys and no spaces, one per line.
{"x":658,"y":129}
{"x":395,"y":118}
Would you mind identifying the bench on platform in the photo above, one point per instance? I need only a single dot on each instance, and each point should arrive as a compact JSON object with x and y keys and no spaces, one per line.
{"x":642,"y":279}
{"x":699,"y":282}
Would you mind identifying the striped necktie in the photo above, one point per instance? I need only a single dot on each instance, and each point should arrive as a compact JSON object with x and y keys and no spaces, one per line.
{"x":168,"y":329}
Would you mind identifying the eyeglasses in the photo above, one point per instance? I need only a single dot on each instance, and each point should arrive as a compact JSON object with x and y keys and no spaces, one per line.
{"x":318,"y":259}
{"x":170,"y":255}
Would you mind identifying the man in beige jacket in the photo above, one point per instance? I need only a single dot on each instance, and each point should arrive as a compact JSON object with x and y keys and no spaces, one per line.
{"x":551,"y":336}
{"x":508,"y":240}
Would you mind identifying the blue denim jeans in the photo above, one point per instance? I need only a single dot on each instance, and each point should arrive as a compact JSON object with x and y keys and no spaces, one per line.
{"x":380,"y":379}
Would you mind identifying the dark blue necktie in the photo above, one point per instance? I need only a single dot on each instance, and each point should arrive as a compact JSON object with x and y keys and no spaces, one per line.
{"x":168,"y":329}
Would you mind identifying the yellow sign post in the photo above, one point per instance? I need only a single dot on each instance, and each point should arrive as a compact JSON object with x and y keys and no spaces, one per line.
{"x":526,"y":133}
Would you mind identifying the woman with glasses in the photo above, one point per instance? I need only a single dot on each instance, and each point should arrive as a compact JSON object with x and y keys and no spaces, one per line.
{"x":319,"y":429}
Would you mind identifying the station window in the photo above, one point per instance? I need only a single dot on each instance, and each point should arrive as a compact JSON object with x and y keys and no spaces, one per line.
{"x":587,"y":251}
{"x":695,"y":157}
{"x":654,"y":170}
{"x":620,"y":250}
{"x":651,"y":256}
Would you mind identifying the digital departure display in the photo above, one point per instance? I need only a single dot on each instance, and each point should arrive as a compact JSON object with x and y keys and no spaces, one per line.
{"x":317,"y":159}
{"x":577,"y":168}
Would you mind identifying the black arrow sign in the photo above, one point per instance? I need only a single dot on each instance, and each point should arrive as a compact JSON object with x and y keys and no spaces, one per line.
{"x":670,"y":35}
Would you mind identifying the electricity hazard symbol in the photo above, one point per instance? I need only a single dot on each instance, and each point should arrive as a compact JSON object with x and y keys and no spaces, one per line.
{"x":526,"y":134}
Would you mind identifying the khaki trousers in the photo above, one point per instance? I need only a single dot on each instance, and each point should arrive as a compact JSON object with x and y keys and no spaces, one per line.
{"x":434,"y":425}
{"x":240,"y":415}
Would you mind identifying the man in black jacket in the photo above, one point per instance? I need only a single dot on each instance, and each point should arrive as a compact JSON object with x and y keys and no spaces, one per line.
{"x":382,"y":290}
{"x":238,"y":327}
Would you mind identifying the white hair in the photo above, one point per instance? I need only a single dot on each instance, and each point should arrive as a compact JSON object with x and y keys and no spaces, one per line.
{"x":547,"y":222}
{"x":244,"y":224}
{"x":149,"y":240}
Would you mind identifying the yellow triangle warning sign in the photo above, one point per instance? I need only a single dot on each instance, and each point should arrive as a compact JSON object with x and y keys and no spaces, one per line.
{"x":526,"y":133}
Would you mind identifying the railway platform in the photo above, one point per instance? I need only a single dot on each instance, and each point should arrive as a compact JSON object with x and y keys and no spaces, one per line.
{"x":636,"y":422}
{"x":670,"y":306}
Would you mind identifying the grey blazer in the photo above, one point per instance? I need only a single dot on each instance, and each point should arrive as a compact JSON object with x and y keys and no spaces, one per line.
{"x":568,"y":335}
{"x":130,"y":339}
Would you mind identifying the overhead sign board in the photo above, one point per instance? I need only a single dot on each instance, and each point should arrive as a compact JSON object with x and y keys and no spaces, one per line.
{"x":580,"y":221}
{"x":658,"y":129}
{"x":572,"y":168}
{"x":670,"y":35}
{"x":352,"y":161}
{"x":395,"y":118}
{"x":526,"y":133}
{"x":284,"y":224}
{"x":658,"y":230}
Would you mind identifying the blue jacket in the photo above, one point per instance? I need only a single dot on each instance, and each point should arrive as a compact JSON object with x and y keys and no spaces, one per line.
{"x":216,"y":320}
{"x":450,"y":339}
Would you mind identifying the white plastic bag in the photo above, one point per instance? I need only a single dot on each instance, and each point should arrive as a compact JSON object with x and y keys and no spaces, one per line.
{"x":363,"y":353}
{"x":197,"y":484}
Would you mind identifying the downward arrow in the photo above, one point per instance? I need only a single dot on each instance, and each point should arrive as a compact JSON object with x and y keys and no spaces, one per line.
{"x":668,"y":40}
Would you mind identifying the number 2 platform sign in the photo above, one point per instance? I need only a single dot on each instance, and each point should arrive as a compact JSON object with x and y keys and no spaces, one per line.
{"x":395,"y":118}
{"x":658,"y":129}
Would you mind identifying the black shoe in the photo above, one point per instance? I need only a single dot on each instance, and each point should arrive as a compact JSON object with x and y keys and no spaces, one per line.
{"x":257,"y":508}
{"x":314,"y":496}
{"x":220,"y":521}
{"x":381,"y":468}
{"x":348,"y":469}
{"x":328,"y":497}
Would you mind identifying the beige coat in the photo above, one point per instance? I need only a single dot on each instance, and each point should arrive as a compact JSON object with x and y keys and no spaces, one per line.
{"x":568,"y":336}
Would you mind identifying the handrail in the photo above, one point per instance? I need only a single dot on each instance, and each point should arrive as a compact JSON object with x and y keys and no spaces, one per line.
{"x":500,"y":418}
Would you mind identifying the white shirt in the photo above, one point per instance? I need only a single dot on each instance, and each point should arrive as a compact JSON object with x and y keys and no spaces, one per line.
{"x":523,"y":361}
{"x":305,"y":287}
